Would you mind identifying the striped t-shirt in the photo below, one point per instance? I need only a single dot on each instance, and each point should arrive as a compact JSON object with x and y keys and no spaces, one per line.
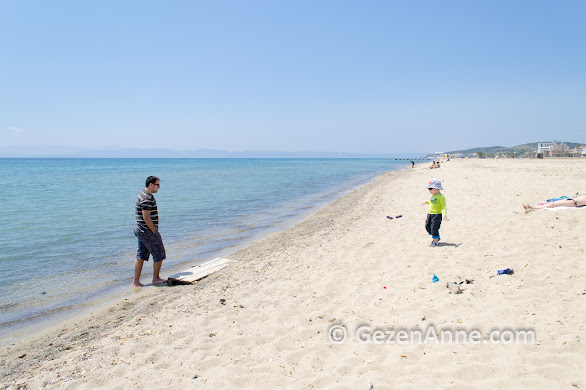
{"x":146,"y":201}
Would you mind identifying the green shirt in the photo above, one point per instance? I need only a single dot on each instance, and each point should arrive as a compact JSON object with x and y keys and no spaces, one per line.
{"x":437,"y":205}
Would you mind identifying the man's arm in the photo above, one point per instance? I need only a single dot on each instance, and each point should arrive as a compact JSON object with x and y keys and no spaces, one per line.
{"x":146,"y":214}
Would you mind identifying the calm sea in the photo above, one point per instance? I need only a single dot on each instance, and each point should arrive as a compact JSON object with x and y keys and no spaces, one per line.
{"x":66,"y":235}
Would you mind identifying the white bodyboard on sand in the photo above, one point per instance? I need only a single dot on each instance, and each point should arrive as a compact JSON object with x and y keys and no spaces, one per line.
{"x":197,"y":272}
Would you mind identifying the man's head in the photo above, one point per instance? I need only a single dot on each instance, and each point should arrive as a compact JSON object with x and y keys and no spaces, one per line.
{"x":153,"y":184}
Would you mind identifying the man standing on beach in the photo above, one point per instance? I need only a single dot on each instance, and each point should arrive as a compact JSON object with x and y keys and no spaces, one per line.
{"x":146,"y":229}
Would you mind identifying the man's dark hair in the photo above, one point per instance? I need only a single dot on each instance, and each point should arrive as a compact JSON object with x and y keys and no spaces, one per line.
{"x":151,"y":180}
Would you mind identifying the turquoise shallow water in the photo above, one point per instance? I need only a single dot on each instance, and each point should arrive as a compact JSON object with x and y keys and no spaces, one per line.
{"x":67,"y":236}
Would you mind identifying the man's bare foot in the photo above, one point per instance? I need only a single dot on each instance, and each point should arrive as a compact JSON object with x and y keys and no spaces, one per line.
{"x":139,"y":284}
{"x":159,"y":281}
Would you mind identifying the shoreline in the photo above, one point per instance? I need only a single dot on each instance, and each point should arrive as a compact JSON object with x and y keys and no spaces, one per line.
{"x":16,"y":331}
{"x":285,"y":290}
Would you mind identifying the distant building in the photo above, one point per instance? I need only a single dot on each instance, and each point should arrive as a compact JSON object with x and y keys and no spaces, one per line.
{"x":558,"y":150}
{"x":544,"y":147}
{"x":435,"y":156}
{"x":552,"y":149}
{"x":575,"y":152}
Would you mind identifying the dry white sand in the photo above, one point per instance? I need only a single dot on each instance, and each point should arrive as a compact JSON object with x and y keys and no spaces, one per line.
{"x":348,"y":264}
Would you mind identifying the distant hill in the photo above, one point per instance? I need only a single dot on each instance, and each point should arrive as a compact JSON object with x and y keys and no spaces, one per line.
{"x":513,"y":149}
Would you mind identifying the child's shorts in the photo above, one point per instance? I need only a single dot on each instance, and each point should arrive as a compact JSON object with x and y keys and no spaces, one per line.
{"x":432,"y":225}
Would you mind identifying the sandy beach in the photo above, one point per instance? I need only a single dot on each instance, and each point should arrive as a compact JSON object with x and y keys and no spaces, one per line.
{"x":348,"y":265}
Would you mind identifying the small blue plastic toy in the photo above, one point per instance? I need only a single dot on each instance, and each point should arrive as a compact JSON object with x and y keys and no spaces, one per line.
{"x":508,"y":271}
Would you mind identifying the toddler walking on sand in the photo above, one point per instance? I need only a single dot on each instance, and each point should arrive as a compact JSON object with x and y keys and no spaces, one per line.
{"x":437,"y":206}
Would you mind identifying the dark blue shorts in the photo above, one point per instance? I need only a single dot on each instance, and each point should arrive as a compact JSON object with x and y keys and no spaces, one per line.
{"x":150,"y":243}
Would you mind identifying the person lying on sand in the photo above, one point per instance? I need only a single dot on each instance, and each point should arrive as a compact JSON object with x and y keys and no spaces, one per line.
{"x":577,"y":201}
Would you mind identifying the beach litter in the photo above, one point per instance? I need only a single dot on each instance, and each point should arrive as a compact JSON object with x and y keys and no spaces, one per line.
{"x":508,"y":271}
{"x":396,"y":216}
{"x":435,"y":279}
{"x":454,"y":287}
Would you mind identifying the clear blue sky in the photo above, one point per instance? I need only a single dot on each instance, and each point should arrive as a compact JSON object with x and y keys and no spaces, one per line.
{"x":337,"y":76}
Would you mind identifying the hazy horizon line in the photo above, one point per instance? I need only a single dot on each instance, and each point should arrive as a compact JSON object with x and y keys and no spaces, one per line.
{"x":123,"y":152}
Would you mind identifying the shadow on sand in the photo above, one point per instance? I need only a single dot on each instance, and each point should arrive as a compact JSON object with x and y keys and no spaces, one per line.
{"x":448,"y":244}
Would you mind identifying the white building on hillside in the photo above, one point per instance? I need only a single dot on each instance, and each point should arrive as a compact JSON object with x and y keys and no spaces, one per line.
{"x":553,"y":149}
{"x":544,"y":147}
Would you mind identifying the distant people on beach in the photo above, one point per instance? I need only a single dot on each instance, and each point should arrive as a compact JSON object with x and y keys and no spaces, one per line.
{"x":146,"y":230}
{"x":437,"y":206}
{"x":434,"y":165}
{"x":412,"y":164}
{"x":578,"y":201}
